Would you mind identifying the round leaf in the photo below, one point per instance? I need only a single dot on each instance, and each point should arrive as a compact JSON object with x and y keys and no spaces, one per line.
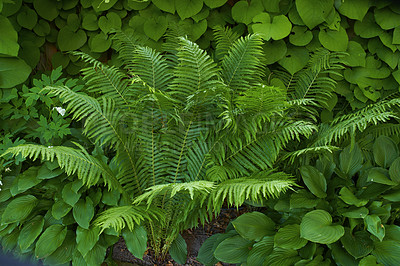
{"x":334,"y":40}
{"x":110,"y":22}
{"x":47,"y":9}
{"x":254,"y":226}
{"x":274,"y":51}
{"x":99,"y":43}
{"x":301,"y":36}
{"x":289,"y":237}
{"x":295,"y":59}
{"x":314,"y":180}
{"x":89,"y":22}
{"x":276,"y":29}
{"x":358,"y":244}
{"x":316,"y":226}
{"x":27,"y":18}
{"x":30,"y":232}
{"x":18,"y":209}
{"x":50,"y":240}
{"x":83,"y":212}
{"x":233,"y":250}
{"x":68,"y":40}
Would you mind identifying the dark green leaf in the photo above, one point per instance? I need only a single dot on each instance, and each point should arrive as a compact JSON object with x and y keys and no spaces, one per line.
{"x":385,"y":151}
{"x":60,"y":209}
{"x":50,"y":240}
{"x":206,"y":251}
{"x":289,"y":237}
{"x":83,"y":212}
{"x":136,"y":241}
{"x":254,"y":226}
{"x":86,"y":239}
{"x":19,"y":209}
{"x":314,"y":180}
{"x":233,"y":250}
{"x":358,"y":244}
{"x":30,"y":231}
{"x":178,"y":250}
{"x":374,"y":226}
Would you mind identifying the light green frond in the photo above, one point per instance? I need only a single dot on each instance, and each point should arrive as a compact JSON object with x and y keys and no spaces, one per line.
{"x":255,"y":188}
{"x":107,"y":81}
{"x":242,"y":66}
{"x":225,"y":37}
{"x":72,"y":161}
{"x":127,"y":216}
{"x":387,"y":129}
{"x":310,"y":150}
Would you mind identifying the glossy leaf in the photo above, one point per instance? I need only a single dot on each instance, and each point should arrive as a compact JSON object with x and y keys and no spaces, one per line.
{"x":375,"y":226}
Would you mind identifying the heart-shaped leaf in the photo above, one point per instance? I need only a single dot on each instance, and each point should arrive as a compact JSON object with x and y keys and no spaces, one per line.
{"x":355,"y":9}
{"x":314,"y":180}
{"x":165,"y":5}
{"x":274,"y":51}
{"x":60,"y":209}
{"x":289,"y":237}
{"x":316,"y":226}
{"x":358,"y":244}
{"x":279,"y":28}
{"x":313,"y":12}
{"x":47,"y":9}
{"x":155,"y":28}
{"x":386,"y":18}
{"x":110,"y":22}
{"x":27,"y":18}
{"x":89,"y":22}
{"x":254,"y":225}
{"x":295,"y":59}
{"x":243,"y":12}
{"x":68,"y":40}
{"x":188,"y":8}
{"x":334,"y":40}
{"x":367,"y":28}
{"x":99,"y":43}
{"x":300,"y":36}
{"x":214,"y":3}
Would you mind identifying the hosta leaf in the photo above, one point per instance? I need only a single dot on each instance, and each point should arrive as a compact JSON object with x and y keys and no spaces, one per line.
{"x":46,"y":173}
{"x":13,"y":71}
{"x":8,"y":38}
{"x":392,"y":232}
{"x":30,"y":231}
{"x":358,"y":244}
{"x":18,"y":209}
{"x":60,"y":209}
{"x":233,"y":250}
{"x":374,"y":226}
{"x":178,"y":250}
{"x":351,"y":160}
{"x":314,"y":180}
{"x":394,"y":170}
{"x":206,"y":251}
{"x":316,"y":226}
{"x":50,"y":240}
{"x":380,"y":175}
{"x":387,"y":252}
{"x":86,"y":239}
{"x":340,"y":255}
{"x":356,"y":213}
{"x":347,"y":196}
{"x":385,"y":151}
{"x":69,"y":196}
{"x":96,"y":255}
{"x":28,"y":179}
{"x":289,"y":237}
{"x":63,"y":254}
{"x":369,"y":261}
{"x":313,"y":12}
{"x":83,"y":212}
{"x":136,"y":241}
{"x":281,"y":256}
{"x":302,"y":199}
{"x":254,"y":226}
{"x":260,"y":251}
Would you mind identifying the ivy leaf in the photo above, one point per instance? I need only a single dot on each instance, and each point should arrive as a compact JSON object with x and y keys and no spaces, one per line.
{"x":295,"y":59}
{"x":316,"y":226}
{"x":243,"y":12}
{"x":334,"y":40}
{"x":30,"y":231}
{"x":68,"y":40}
{"x":50,"y":240}
{"x":289,"y":237}
{"x":136,"y":241}
{"x":313,"y":12}
{"x":178,"y":250}
{"x":18,"y":209}
{"x":254,"y":226}
{"x":188,"y":8}
{"x":8,"y":39}
{"x":358,"y":244}
{"x":314,"y":180}
{"x":279,"y":28}
{"x":355,"y":9}
{"x":233,"y":250}
{"x":83,"y":212}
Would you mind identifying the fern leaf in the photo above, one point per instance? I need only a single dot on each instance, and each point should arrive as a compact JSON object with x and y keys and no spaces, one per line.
{"x":225,"y":37}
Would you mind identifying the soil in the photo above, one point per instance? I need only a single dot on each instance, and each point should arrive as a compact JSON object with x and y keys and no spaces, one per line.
{"x":194,"y":239}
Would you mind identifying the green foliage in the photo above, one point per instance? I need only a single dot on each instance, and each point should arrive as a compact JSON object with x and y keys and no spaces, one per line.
{"x":353,"y":223}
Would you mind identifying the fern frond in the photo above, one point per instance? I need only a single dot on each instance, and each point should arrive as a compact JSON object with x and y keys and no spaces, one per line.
{"x":127,"y":216}
{"x":310,"y":150}
{"x":225,"y":37}
{"x":242,"y":66}
{"x":72,"y":161}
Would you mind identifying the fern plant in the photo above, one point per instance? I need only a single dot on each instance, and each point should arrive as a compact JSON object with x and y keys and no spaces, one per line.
{"x":186,"y":133}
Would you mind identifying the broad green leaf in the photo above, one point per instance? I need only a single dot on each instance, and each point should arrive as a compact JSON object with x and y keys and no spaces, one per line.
{"x":358,"y":244}
{"x":136,"y":241}
{"x":351,"y":160}
{"x":63,"y":254}
{"x":354,"y":9}
{"x":101,"y":5}
{"x":178,"y":250}
{"x":28,"y":179}
{"x":271,"y":5}
{"x":27,"y":18}
{"x":73,"y":22}
{"x":375,"y":226}
{"x":333,"y":40}
{"x":380,"y":175}
{"x":392,"y":232}
{"x":254,"y":226}
{"x":13,"y":71}
{"x":316,"y":226}
{"x":214,"y":3}
{"x":347,"y":196}
{"x":313,"y":12}
{"x":83,"y":212}
{"x":295,"y":59}
{"x":30,"y":231}
{"x":69,"y":196}
{"x":302,"y":199}
{"x":387,"y":252}
{"x":89,"y":22}
{"x":356,"y":213}
{"x":19,"y":209}
{"x":86,"y":239}
{"x":165,"y":5}
{"x":99,"y":43}
{"x":260,"y":251}
{"x":341,"y":256}
{"x":10,"y":241}
{"x":367,"y":28}
{"x":206,"y":251}
{"x":274,"y":51}
{"x":369,"y":261}
{"x":314,"y":180}
{"x":386,"y":18}
{"x":276,"y":29}
{"x":281,"y":256}
{"x":60,"y":209}
{"x":11,"y":7}
{"x":243,"y":12}
{"x":300,"y":36}
{"x":233,"y":250}
{"x":289,"y":237}
{"x":392,"y":196}
{"x":47,"y":9}
{"x":396,"y":36}
{"x":42,"y":28}
{"x":46,"y":173}
{"x":109,"y":22}
{"x":96,"y":255}
{"x":30,"y":53}
{"x":155,"y":27}
{"x":198,"y":29}
{"x":68,"y":40}
{"x":50,"y":240}
{"x":385,"y":151}
{"x":188,"y":8}
{"x":356,"y":55}
{"x":110,"y":197}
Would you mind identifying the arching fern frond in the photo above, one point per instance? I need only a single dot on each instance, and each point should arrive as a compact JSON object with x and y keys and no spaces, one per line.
{"x":72,"y":161}
{"x":225,"y":37}
{"x":127,"y":216}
